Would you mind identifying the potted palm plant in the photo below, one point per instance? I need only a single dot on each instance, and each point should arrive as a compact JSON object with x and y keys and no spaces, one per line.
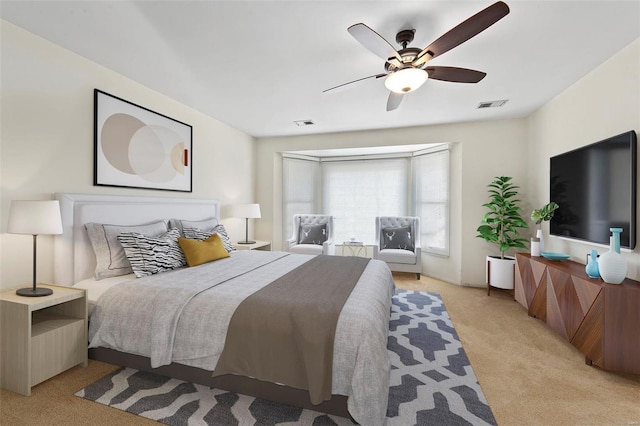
{"x":500,"y":226}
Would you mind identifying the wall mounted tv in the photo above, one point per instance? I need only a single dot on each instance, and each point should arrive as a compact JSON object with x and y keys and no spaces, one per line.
{"x":595,"y":187}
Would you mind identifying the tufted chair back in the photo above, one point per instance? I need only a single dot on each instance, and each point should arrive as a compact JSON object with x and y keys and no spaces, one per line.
{"x":311,"y":219}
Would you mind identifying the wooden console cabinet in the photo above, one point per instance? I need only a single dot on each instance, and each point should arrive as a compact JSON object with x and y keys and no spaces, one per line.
{"x":601,"y":320}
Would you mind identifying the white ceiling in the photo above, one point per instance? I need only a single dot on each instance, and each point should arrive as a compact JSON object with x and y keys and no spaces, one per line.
{"x":259,"y":65}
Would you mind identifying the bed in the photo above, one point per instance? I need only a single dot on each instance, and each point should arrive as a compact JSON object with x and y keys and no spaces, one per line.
{"x":360,"y":373}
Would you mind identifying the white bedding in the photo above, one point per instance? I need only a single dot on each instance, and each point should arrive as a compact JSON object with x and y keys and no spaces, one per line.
{"x":95,"y":288}
{"x":193,"y":331}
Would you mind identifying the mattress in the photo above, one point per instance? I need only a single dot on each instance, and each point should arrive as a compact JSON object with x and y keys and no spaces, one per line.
{"x":95,"y":288}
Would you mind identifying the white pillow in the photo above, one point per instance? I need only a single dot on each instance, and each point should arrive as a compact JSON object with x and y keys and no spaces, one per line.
{"x":111,"y":260}
{"x":203,"y":224}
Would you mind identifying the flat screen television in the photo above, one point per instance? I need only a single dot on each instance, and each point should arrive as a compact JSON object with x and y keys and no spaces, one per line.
{"x":595,"y":188}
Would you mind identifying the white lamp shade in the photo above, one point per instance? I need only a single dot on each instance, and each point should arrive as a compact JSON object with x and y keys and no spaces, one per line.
{"x":406,"y":80}
{"x":34,"y":217}
{"x":250,"y":211}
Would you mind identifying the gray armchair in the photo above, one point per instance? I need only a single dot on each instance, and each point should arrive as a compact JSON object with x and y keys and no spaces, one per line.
{"x":398,"y":243}
{"x":312,"y":234}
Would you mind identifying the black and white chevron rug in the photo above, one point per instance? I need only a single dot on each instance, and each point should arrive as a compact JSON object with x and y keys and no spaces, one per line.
{"x":432,"y":382}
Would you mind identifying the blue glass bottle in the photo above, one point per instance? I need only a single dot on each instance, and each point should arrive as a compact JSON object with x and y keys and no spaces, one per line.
{"x":592,"y":269}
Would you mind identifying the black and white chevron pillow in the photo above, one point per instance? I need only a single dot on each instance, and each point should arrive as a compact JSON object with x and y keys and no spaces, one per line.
{"x":201,"y":235}
{"x":150,"y":255}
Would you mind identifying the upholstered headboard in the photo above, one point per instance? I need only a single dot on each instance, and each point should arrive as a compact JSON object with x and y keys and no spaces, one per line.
{"x":74,"y":257}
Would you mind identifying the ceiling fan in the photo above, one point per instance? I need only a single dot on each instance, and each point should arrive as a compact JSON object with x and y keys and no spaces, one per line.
{"x":406,"y":69}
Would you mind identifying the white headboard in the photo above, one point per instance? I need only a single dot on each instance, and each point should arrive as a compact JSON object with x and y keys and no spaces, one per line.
{"x":74,"y":257}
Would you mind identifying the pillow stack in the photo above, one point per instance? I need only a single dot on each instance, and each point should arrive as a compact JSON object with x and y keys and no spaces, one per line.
{"x":111,"y":259}
{"x":152,"y":248}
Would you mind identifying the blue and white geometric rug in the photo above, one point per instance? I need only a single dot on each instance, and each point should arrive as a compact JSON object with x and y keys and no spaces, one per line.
{"x":432,"y":382}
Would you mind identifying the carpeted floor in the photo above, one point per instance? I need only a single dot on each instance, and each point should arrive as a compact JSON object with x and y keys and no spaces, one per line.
{"x":431,"y":382}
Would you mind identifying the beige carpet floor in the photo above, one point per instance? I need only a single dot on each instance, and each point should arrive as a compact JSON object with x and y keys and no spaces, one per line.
{"x":529,"y":375}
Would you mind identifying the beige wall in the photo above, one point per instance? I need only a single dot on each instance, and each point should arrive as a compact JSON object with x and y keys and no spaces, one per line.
{"x":47,"y":141}
{"x":480,"y":151}
{"x":604,"y":103}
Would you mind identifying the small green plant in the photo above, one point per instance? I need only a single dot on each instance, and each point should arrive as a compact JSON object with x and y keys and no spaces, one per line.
{"x":544,"y":213}
{"x":501,"y":223}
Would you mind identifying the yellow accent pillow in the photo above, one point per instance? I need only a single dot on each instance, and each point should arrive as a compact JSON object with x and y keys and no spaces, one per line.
{"x":199,"y":252}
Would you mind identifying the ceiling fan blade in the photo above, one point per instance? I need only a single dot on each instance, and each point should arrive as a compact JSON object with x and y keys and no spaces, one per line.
{"x":454,"y":74}
{"x":463,"y":32}
{"x":394,"y":100}
{"x":351,"y":84}
{"x":373,"y":41}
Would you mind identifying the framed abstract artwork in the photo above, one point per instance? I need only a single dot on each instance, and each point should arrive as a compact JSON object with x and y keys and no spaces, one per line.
{"x":135,"y":147}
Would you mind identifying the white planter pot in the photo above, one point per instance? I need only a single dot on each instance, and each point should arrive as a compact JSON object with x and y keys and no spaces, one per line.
{"x":501,"y":272}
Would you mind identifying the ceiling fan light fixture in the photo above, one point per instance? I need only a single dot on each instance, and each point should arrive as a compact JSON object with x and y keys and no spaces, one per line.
{"x":406,"y":80}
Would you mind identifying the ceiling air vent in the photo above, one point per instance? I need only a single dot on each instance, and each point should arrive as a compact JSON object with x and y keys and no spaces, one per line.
{"x":492,"y":104}
{"x":304,"y":123}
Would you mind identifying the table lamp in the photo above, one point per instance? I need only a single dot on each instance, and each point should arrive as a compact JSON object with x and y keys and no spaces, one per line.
{"x":246,"y":211}
{"x":34,"y":218}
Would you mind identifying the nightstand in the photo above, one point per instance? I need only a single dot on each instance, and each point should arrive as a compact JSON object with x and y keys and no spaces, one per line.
{"x":258,"y":245}
{"x":41,"y":336}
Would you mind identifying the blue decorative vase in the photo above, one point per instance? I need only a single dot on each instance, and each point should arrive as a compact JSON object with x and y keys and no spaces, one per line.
{"x":592,"y":269}
{"x":613,"y":267}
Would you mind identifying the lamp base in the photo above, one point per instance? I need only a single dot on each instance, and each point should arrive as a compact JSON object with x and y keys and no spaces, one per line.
{"x":34,"y":292}
{"x":246,"y":242}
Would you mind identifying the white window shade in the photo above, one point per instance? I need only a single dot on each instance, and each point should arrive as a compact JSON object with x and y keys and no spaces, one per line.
{"x":355,"y":192}
{"x":299,"y":190}
{"x":431,"y":179}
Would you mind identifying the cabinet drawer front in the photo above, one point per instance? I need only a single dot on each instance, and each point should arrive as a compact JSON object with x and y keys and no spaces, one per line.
{"x":57,"y":350}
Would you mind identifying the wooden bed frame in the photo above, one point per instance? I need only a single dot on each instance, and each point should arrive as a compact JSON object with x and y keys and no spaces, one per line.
{"x":75,"y":261}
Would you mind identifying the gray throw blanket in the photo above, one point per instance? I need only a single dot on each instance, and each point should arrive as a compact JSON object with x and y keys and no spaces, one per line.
{"x":284,"y":333}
